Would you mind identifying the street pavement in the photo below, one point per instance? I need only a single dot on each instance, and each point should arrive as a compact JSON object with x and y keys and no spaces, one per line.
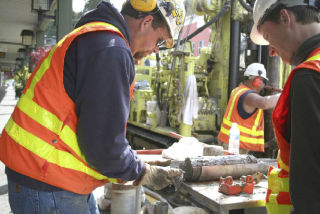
{"x":6,"y":108}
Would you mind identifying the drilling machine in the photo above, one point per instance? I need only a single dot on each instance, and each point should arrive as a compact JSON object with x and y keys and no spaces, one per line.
{"x":158,"y":98}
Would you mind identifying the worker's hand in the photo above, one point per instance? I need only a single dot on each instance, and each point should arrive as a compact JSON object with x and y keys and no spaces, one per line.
{"x":158,"y":177}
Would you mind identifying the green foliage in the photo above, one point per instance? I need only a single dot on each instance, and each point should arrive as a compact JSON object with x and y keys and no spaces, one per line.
{"x":21,"y":77}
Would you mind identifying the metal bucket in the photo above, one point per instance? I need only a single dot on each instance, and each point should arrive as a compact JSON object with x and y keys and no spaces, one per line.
{"x":125,"y":199}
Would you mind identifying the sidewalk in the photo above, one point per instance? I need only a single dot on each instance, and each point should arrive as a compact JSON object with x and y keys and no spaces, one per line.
{"x":6,"y":108}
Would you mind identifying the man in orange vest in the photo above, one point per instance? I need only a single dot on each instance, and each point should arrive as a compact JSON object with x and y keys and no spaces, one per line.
{"x":291,"y":28}
{"x":245,"y":107}
{"x":67,"y":134}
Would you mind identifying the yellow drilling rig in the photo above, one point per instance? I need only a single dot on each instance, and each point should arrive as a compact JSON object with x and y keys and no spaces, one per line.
{"x":163,"y":81}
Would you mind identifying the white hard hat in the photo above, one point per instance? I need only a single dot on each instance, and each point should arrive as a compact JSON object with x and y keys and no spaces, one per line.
{"x":261,"y":9}
{"x":256,"y":69}
{"x":173,"y":12}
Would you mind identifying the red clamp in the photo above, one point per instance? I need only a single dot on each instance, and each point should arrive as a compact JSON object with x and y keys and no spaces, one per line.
{"x":246,"y":185}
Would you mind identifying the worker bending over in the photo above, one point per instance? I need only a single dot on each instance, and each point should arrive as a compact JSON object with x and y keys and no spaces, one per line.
{"x":291,"y":28}
{"x":67,"y":134}
{"x":245,"y":107}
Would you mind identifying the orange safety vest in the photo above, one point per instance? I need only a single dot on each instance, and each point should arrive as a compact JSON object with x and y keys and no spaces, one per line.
{"x":40,"y":138}
{"x":278,"y":197}
{"x":251,"y":129}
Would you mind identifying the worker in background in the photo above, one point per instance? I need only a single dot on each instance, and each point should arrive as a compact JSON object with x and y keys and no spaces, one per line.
{"x":66,"y":135}
{"x":245,"y":107}
{"x":292,"y":31}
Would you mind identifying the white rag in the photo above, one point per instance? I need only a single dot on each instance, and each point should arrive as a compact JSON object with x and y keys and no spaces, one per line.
{"x":187,"y":147}
{"x":190,"y":100}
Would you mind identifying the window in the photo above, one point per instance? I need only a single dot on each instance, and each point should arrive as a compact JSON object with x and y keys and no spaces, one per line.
{"x":201,"y":44}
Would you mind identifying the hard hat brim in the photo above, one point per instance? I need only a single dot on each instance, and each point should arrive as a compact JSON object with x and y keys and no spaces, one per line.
{"x":256,"y":36}
{"x":173,"y":18}
{"x":266,"y":78}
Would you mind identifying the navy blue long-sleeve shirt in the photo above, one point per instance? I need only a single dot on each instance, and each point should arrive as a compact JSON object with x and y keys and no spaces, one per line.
{"x":304,"y":134}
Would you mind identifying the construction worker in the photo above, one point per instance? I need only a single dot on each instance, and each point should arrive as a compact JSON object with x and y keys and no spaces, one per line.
{"x":66,"y":135}
{"x":245,"y":107}
{"x":291,"y":28}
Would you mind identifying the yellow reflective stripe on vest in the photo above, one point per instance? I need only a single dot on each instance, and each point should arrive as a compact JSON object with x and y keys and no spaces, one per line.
{"x":49,"y":152}
{"x":256,"y":122}
{"x":315,"y":57}
{"x":51,"y":122}
{"x":276,"y":183}
{"x":282,"y":165}
{"x":275,"y":208}
{"x":244,"y":129}
{"x":244,"y":138}
{"x":233,"y":102}
{"x":46,"y":63}
{"x":44,"y":66}
{"x":41,"y":115}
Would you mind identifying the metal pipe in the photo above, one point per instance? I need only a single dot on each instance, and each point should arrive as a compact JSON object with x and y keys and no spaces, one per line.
{"x":213,"y":20}
{"x":234,"y":55}
{"x":138,"y":200}
{"x":164,"y":110}
{"x":259,"y":54}
{"x":213,"y":173}
{"x":161,"y":207}
{"x":209,"y":168}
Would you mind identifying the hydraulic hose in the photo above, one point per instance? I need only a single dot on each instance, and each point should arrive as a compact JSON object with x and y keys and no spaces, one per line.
{"x":246,"y":6}
{"x":157,"y":196}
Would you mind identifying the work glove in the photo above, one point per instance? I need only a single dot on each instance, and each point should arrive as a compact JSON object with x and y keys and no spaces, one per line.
{"x":157,"y":177}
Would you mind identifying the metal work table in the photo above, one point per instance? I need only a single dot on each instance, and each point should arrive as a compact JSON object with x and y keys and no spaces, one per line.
{"x":206,"y":194}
